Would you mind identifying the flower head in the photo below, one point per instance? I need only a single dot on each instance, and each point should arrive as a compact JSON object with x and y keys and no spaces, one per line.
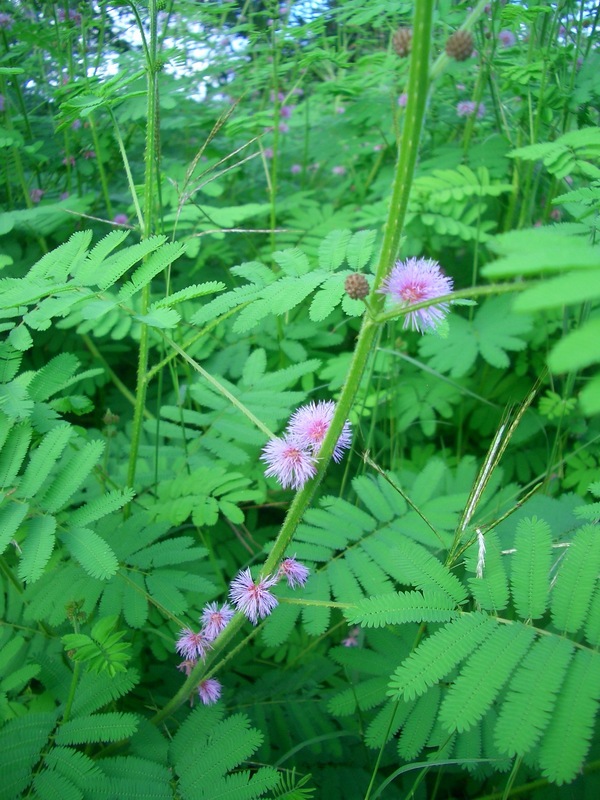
{"x":209,"y":691}
{"x":36,"y":195}
{"x":215,"y":619}
{"x":295,"y":169}
{"x":294,"y":572}
{"x":507,"y":38}
{"x":192,"y":646}
{"x":309,"y":424}
{"x":339,"y":170}
{"x":414,"y":281}
{"x":289,"y":462}
{"x":403,"y":100}
{"x":121,"y":219}
{"x":467,"y":107}
{"x":253,"y":599}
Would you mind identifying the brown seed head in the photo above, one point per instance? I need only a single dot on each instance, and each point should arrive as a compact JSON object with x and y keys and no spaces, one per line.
{"x":402,"y":41}
{"x":460,"y":45}
{"x":356,"y":286}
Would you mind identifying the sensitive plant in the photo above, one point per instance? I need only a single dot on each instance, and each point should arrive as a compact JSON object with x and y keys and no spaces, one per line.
{"x":430,"y":599}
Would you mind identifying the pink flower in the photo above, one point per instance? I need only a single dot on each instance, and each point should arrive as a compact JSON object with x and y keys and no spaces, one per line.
{"x":6,"y":21}
{"x":403,"y":100}
{"x":294,"y":572}
{"x":215,"y":619}
{"x":1,"y":102}
{"x":121,"y":219}
{"x":209,"y":691}
{"x":69,"y":161}
{"x":253,"y":599}
{"x":507,"y":38}
{"x":36,"y":195}
{"x":309,"y":424}
{"x":284,"y":127}
{"x":467,"y":107}
{"x":286,"y":111}
{"x":190,"y":645}
{"x":268,"y":152}
{"x":76,"y":124}
{"x":414,"y":281}
{"x":295,"y":169}
{"x":339,"y":170}
{"x":289,"y":462}
{"x":89,"y":154}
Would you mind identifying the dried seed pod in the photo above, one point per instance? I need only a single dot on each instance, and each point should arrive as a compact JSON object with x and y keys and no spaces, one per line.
{"x":356,"y":286}
{"x":402,"y":41}
{"x":460,"y":45}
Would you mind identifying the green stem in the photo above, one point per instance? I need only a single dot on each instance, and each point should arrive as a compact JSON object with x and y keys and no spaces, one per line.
{"x":147,"y":226}
{"x":72,"y":690}
{"x":101,"y":170}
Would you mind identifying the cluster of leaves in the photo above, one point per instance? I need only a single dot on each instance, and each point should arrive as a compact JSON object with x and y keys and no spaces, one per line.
{"x":409,"y":645}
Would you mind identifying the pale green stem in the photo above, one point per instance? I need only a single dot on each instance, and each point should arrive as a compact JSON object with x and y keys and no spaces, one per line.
{"x":466,"y":294}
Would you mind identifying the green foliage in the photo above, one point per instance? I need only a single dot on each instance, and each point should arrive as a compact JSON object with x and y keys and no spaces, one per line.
{"x":174,"y":247}
{"x":103,"y":650}
{"x":207,"y":746}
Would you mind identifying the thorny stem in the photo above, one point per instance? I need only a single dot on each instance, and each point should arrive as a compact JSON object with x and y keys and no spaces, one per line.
{"x":152,"y":67}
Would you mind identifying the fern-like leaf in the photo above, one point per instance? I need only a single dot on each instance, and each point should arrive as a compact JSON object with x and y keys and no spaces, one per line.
{"x":190,"y":293}
{"x":87,"y":271}
{"x":13,"y":453}
{"x":96,"y":690}
{"x":576,"y":580}
{"x":109,"y":727}
{"x":49,"y":785}
{"x":532,"y":694}
{"x":80,"y":769}
{"x":53,"y":376}
{"x":132,"y":776}
{"x":63,"y":259}
{"x":117,"y":265}
{"x":416,"y":729}
{"x":423,"y":570}
{"x":438,"y":654}
{"x":11,"y":517}
{"x":567,"y":742}
{"x":484,"y":675}
{"x":21,"y":742}
{"x":401,"y":607}
{"x":71,"y":476}
{"x":157,"y":262}
{"x":530,"y":568}
{"x":101,"y":507}
{"x":37,"y":548}
{"x":43,"y":458}
{"x":92,"y":552}
{"x":207,"y":746}
{"x":491,"y":590}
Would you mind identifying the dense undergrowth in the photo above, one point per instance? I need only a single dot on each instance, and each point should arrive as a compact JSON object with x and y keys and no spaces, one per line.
{"x":185,"y":190}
